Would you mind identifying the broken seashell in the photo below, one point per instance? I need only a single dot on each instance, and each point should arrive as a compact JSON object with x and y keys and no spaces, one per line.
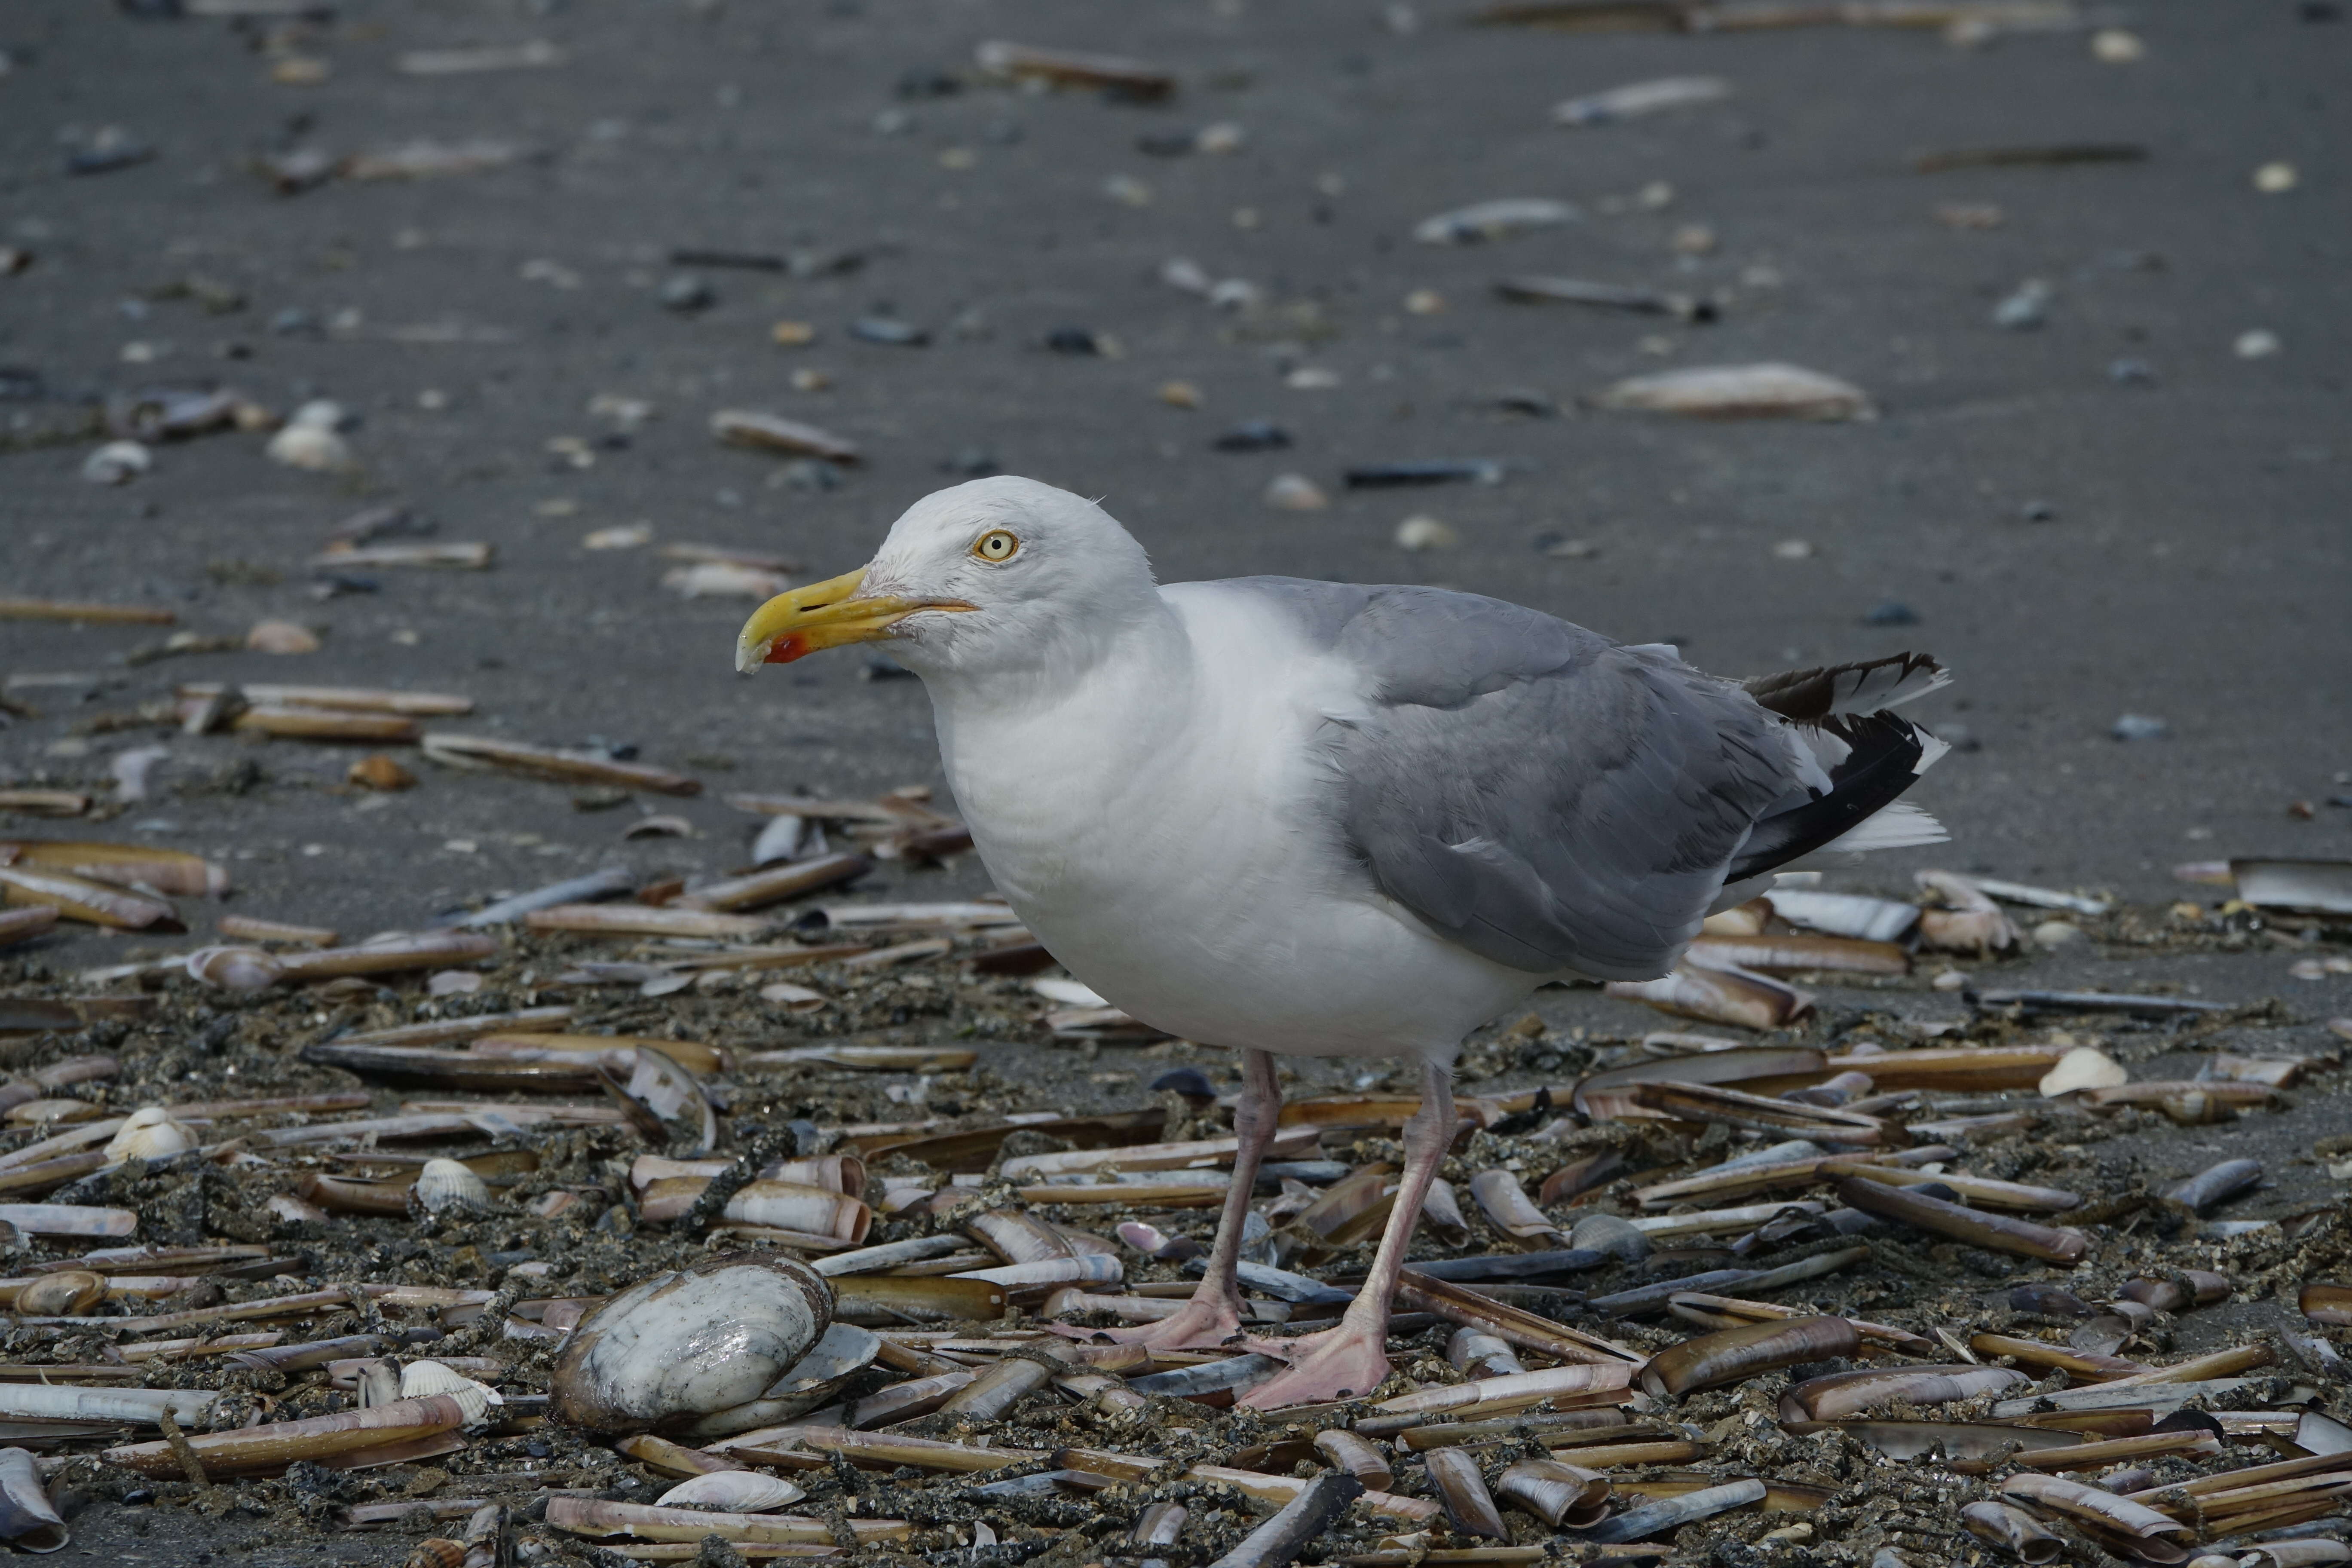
{"x":684,"y":1344}
{"x":2083,"y":1068}
{"x":1560,"y":1495}
{"x":28,"y":1519}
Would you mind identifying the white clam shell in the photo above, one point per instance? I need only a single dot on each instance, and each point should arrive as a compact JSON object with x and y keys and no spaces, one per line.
{"x":844,"y":1351}
{"x":150,"y":1133}
{"x":682,"y":1345}
{"x":734,"y":1491}
{"x":450,"y":1184}
{"x":236,"y":968}
{"x":421,"y":1378}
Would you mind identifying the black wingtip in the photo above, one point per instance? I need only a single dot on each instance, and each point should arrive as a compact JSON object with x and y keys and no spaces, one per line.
{"x":1883,"y":763}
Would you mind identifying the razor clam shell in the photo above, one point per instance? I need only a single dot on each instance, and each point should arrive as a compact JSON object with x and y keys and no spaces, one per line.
{"x":1953,"y":1439}
{"x":1560,"y":1495}
{"x":1474,"y":1309}
{"x":1506,"y":1203}
{"x":1281,"y":1539}
{"x":1462,"y":1489}
{"x":1473,"y":1352}
{"x":774,"y":884}
{"x":562,"y":767}
{"x":890,"y":1255}
{"x":2012,"y":1529}
{"x":885,"y":1303}
{"x":1851,"y":1393}
{"x":1995,"y":1233}
{"x":1352,"y":1454}
{"x":2217,"y":1183}
{"x":993,"y":1394}
{"x":84,"y":900}
{"x":1509,"y":1392}
{"x":682,"y":1345}
{"x":788,"y":1205}
{"x":1663,"y":1517}
{"x":268,"y":1449}
{"x":2091,"y":1505}
{"x":173,"y":872}
{"x":28,"y":1521}
{"x":1764,"y":1070}
{"x":1017,"y":1238}
{"x":643,"y":1521}
{"x":1732,"y":1355}
{"x":1846,"y":914}
{"x":733,"y":1492}
{"x":1719,"y":996}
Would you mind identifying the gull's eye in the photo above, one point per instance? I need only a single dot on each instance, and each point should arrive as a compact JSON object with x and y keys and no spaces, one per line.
{"x":996,"y":544}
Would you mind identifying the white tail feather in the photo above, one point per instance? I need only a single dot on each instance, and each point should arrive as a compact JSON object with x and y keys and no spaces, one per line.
{"x":1896,"y":826}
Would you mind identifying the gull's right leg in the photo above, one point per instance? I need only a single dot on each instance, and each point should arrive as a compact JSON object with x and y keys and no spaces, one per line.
{"x":1213,"y":1315}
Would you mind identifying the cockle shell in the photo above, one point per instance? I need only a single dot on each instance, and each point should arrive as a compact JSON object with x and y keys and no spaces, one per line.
{"x":150,"y":1133}
{"x":682,"y":1345}
{"x":420,"y":1378}
{"x":450,"y":1184}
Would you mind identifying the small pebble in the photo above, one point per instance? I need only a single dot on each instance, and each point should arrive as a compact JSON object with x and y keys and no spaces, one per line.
{"x":2139,"y":727}
{"x":2260,"y":343}
{"x":686,"y":293}
{"x":2057,"y":933}
{"x":1893,"y":613}
{"x":2115,"y":46}
{"x":1180,"y":394}
{"x":1950,"y":980}
{"x":2026,"y":308}
{"x":1424,"y":532}
{"x":1296,"y":492}
{"x":791,"y":334}
{"x":1793,"y":549}
{"x":1424,"y":302}
{"x":117,"y":463}
{"x":2276,"y":179}
{"x":1253,"y":436}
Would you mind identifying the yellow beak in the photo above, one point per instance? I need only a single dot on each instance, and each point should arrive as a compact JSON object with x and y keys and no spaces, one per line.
{"x":824,"y":614}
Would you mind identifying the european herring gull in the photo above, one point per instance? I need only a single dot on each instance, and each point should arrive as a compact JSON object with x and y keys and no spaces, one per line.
{"x":1291,"y":817}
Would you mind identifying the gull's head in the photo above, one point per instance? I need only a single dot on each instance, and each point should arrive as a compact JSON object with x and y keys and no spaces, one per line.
{"x":1001,"y":576}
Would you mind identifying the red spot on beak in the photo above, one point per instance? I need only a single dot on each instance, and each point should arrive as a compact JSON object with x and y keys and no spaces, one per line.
{"x":783,"y":650}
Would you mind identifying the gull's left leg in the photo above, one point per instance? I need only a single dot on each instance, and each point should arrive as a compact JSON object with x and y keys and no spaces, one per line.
{"x":1351,"y":1360}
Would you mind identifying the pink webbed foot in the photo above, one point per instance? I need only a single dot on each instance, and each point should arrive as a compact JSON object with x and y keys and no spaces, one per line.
{"x":1201,"y":1326}
{"x":1345,"y":1363}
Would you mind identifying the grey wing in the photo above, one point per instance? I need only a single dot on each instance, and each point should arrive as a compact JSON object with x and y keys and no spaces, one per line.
{"x":1550,"y":799}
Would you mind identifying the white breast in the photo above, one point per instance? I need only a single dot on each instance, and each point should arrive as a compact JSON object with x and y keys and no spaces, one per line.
{"x":1166,"y":830}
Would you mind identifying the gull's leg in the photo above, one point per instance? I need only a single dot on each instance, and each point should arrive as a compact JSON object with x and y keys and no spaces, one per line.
{"x":1350,"y":1360}
{"x":1213,"y":1315}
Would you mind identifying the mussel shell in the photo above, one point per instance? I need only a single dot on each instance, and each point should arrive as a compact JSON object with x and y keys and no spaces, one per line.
{"x":679,"y":1346}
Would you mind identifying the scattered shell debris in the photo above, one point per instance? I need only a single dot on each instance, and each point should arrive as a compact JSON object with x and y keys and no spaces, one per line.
{"x":640,"y":1243}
